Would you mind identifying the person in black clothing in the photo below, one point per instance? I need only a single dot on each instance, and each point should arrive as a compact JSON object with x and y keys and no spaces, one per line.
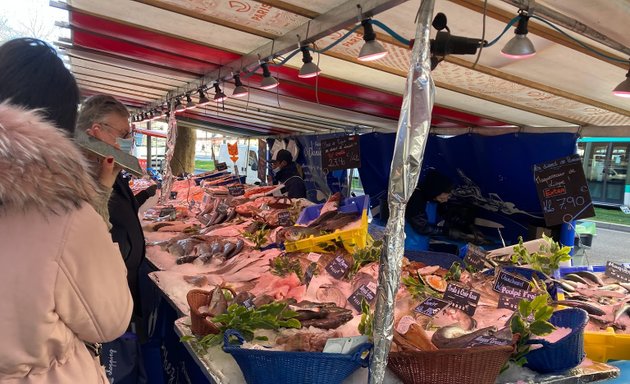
{"x":435,"y":187}
{"x":106,"y":118}
{"x":285,"y":171}
{"x":457,"y":218}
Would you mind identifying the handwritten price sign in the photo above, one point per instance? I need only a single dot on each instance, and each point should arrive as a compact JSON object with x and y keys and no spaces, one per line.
{"x":562,"y":190}
{"x":341,"y":153}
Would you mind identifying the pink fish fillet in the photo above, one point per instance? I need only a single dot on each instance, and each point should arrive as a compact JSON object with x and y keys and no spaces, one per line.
{"x":332,"y":204}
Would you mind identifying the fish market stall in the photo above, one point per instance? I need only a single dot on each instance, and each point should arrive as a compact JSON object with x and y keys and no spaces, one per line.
{"x":226,"y":256}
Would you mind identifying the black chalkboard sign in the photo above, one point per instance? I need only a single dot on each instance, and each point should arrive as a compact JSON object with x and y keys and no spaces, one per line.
{"x":562,"y":190}
{"x":341,"y":152}
{"x":475,"y":257}
{"x":236,"y":190}
{"x":221,"y":166}
{"x":338,"y":267}
{"x":462,"y":298}
{"x":365,"y":291}
{"x":617,"y":271}
{"x":284,"y":219}
{"x":431,"y":306}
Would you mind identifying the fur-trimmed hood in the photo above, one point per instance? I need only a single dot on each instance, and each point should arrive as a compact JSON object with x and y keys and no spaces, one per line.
{"x":40,"y":167}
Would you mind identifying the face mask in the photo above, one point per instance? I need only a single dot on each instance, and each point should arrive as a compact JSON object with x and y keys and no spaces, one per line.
{"x":275,"y":170}
{"x":125,"y":144}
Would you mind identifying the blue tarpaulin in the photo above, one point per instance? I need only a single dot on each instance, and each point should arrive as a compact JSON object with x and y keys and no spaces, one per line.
{"x":492,"y":173}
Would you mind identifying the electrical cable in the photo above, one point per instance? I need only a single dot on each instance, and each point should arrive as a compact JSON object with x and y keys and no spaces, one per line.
{"x":483,"y":32}
{"x":578,"y":41}
{"x":317,"y":79}
{"x":390,"y":31}
{"x":507,"y":27}
{"x":342,"y":38}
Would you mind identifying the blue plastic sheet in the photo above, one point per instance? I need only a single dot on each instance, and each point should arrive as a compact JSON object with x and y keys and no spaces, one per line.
{"x":492,"y":172}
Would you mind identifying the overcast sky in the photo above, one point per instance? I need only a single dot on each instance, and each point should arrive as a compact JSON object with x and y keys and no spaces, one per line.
{"x":25,"y":16}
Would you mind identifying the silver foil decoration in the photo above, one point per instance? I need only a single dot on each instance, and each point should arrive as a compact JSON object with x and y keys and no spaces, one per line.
{"x":171,"y":137}
{"x":413,"y":130}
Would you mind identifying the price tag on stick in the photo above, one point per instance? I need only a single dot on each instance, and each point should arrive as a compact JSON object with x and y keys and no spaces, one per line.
{"x":475,"y":256}
{"x":462,"y":298}
{"x":617,"y":271}
{"x":338,"y":267}
{"x":431,"y":306}
{"x":365,"y":291}
{"x":236,"y":190}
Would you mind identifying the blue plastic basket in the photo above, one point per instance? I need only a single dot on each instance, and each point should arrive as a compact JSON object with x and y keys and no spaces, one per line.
{"x":567,"y":352}
{"x":278,"y":367}
{"x":353,"y":204}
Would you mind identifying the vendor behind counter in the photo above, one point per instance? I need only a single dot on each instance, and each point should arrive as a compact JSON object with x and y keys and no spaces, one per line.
{"x":431,"y":213}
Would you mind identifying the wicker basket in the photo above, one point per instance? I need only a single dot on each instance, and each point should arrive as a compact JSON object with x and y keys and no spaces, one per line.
{"x":279,"y":367}
{"x":199,"y":324}
{"x":478,"y":365}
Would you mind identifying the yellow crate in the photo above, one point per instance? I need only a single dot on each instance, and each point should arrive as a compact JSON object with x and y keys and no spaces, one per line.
{"x":352,"y":240}
{"x":606,"y":345}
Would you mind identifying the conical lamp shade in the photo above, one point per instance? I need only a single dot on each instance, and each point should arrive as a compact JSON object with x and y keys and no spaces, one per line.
{"x":372,"y":50}
{"x":519,"y":47}
{"x":309,"y":70}
{"x":268,"y":82}
{"x":623,"y":89}
{"x":240,"y":91}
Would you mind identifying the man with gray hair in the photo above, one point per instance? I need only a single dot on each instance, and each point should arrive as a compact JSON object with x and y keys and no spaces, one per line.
{"x":107,"y":119}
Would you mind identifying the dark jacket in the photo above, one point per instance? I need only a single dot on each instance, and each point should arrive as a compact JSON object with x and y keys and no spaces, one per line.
{"x":127,"y":231}
{"x":416,"y":215}
{"x":294,"y":184}
{"x":433,"y":184}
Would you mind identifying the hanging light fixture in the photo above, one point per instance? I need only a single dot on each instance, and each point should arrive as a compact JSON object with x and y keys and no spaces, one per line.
{"x":309,"y":69}
{"x":623,"y":89}
{"x":268,"y":81}
{"x":203,"y":100}
{"x":519,"y":47}
{"x":239,"y":90}
{"x":219,"y":96}
{"x":372,"y":49}
{"x":158,"y":113}
{"x":189,"y":103}
{"x":179,"y":107}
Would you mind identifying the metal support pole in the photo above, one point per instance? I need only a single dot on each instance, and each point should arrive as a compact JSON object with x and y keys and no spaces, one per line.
{"x":414,"y":125}
{"x":149,"y":138}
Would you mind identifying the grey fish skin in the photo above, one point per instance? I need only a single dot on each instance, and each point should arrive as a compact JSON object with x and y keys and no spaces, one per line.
{"x":228,"y":248}
{"x":590,"y":276}
{"x":239,"y":247}
{"x":576,"y":278}
{"x":185,"y":259}
{"x":205,"y":258}
{"x":213,"y":217}
{"x":216,"y":247}
{"x":456,"y":337}
{"x":619,"y":312}
{"x":564,"y":285}
{"x":220,"y":219}
{"x":580,"y":304}
{"x":231,"y":214}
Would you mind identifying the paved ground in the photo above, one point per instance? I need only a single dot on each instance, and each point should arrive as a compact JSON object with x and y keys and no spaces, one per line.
{"x":608,"y":244}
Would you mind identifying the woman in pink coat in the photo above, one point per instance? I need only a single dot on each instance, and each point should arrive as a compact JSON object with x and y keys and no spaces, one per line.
{"x":62,"y":280}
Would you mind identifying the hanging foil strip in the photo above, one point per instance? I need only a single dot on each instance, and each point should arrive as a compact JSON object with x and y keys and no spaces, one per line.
{"x":413,"y":129}
{"x":167,"y":182}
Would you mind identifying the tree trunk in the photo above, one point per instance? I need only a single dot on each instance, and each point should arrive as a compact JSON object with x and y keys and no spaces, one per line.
{"x":184,"y":153}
